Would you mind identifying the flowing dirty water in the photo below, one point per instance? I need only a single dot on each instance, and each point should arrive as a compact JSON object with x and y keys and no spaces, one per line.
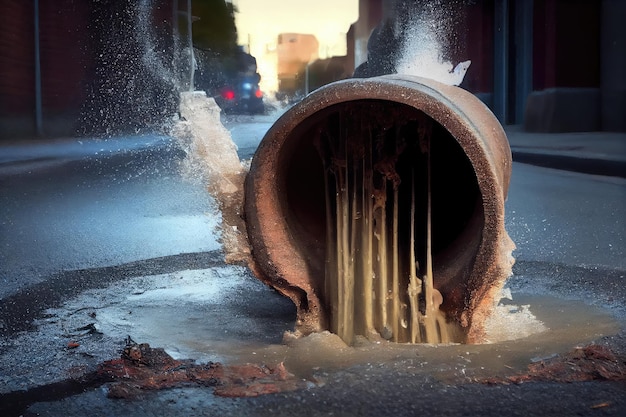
{"x":525,"y":328}
{"x":374,"y":285}
{"x":225,"y":315}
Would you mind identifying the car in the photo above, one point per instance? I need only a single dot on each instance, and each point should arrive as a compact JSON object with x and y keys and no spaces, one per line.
{"x":242,"y":96}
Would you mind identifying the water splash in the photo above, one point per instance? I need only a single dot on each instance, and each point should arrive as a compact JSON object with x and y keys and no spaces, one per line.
{"x":211,"y":153}
{"x":154,"y":60}
{"x":424,"y":48}
{"x":175,"y":65}
{"x":125,"y":94}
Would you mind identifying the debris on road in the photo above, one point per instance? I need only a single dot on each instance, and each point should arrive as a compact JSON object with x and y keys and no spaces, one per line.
{"x":141,"y":367}
{"x":588,"y":363}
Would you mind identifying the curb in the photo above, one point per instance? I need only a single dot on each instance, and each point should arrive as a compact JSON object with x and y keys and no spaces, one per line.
{"x":593,"y":166}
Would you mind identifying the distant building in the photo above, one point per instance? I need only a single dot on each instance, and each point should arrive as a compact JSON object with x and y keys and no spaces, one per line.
{"x":326,"y":71}
{"x":294,"y":51}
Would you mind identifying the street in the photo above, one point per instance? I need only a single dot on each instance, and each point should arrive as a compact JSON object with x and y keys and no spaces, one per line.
{"x":107,"y":207}
{"x":120,"y":237}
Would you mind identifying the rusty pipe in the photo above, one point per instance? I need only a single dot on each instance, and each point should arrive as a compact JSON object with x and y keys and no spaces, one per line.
{"x":284,"y":193}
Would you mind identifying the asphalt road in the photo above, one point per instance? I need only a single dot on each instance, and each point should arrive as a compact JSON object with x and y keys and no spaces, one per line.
{"x":91,"y":204}
{"x":126,"y":231}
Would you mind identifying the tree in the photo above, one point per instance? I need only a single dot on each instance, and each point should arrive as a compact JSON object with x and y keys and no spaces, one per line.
{"x":215,"y":43}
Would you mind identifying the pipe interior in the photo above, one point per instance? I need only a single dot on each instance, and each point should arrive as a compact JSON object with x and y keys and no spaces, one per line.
{"x":457,"y":214}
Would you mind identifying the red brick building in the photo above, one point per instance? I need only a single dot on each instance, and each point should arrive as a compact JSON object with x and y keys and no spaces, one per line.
{"x":65,"y":63}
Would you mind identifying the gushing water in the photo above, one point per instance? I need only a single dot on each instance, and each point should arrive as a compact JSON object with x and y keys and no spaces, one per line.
{"x":422,"y":52}
{"x":379,"y":272}
{"x":211,"y":153}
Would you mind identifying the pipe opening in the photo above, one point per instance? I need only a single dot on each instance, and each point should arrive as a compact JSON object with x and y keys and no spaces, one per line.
{"x":385,"y":206}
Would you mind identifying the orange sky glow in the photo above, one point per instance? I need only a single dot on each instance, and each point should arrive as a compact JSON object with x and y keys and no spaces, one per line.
{"x":260,"y":21}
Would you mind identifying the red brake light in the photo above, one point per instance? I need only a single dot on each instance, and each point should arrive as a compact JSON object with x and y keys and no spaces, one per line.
{"x":228,"y":94}
{"x":258,"y":93}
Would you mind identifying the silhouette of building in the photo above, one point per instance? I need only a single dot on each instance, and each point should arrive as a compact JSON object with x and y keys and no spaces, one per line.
{"x":295,"y":51}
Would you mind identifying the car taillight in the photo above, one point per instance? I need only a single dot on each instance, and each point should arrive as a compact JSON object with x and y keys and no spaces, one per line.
{"x":258,"y":93}
{"x":228,"y":94}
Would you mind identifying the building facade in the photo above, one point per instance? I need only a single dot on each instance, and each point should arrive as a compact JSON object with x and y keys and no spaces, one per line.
{"x":551,"y":65}
{"x":72,"y":67}
{"x":78,"y":67}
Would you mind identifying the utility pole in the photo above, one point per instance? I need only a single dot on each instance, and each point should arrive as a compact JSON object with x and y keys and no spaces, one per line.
{"x":192,"y":59}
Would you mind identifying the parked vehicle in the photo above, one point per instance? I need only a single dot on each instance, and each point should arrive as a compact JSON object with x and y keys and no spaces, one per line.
{"x":242,"y":96}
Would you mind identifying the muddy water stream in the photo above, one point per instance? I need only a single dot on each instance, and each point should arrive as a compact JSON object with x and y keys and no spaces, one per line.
{"x":559,"y":325}
{"x":379,"y":252}
{"x":226,"y":315}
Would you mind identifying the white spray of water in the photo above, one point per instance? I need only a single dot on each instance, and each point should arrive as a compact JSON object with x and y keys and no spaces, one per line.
{"x":153,"y":60}
{"x":510,"y":321}
{"x":422,"y":52}
{"x":211,"y":152}
{"x":210,"y":149}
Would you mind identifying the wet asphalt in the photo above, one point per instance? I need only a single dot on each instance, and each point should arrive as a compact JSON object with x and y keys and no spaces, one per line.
{"x":394,"y":387}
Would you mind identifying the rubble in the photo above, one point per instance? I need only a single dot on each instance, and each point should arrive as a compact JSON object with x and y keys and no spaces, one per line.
{"x":142,"y":367}
{"x":589,"y":363}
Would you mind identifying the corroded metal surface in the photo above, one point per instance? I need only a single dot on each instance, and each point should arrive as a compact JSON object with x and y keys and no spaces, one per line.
{"x":284,"y":195}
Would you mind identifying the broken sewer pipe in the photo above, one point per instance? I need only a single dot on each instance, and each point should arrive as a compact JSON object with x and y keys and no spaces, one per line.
{"x":377,"y":206}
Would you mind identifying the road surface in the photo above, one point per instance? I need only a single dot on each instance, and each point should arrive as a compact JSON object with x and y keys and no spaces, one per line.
{"x":122,"y":238}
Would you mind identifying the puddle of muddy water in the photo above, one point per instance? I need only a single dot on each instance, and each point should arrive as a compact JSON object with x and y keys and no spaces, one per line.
{"x":567,"y":324}
{"x":562,"y":325}
{"x":208,"y":315}
{"x":224,"y":314}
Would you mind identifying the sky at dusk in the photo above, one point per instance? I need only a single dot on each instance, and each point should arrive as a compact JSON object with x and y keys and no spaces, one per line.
{"x":260,"y":21}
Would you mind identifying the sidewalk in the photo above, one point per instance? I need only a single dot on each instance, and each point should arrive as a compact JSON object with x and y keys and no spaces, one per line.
{"x":598,"y":153}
